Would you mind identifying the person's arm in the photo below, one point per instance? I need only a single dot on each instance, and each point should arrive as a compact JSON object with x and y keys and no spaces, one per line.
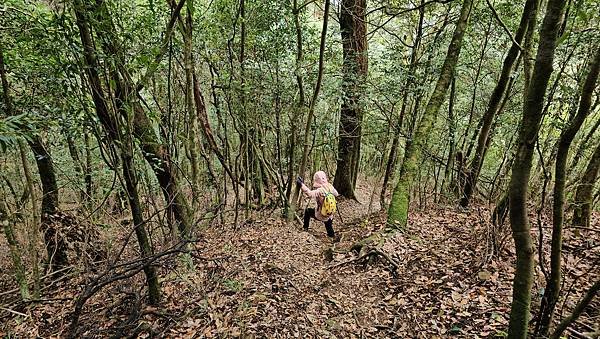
{"x":313,"y":194}
{"x":334,"y":192}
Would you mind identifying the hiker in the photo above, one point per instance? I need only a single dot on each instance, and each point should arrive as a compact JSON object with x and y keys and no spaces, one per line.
{"x":324,"y":193}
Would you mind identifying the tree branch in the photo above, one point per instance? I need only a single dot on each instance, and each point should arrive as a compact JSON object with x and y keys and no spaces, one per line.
{"x":512,"y":38}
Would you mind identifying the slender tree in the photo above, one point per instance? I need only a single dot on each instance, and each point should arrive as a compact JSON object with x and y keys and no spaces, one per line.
{"x":408,"y":85}
{"x":583,"y":196}
{"x":518,"y":190}
{"x":552,"y":290}
{"x":398,"y":210}
{"x":313,"y":101}
{"x":494,"y":103}
{"x":117,"y":136}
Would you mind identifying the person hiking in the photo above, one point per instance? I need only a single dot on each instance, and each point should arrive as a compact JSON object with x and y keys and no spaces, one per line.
{"x":324,"y":193}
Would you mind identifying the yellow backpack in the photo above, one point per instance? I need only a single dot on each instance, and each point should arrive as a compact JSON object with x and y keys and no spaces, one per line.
{"x":329,"y":204}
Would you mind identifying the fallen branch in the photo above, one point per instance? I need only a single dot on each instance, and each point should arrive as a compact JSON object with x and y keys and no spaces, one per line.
{"x":372,"y":251}
{"x":14,"y":312}
{"x":581,"y":305}
{"x":125,"y":271}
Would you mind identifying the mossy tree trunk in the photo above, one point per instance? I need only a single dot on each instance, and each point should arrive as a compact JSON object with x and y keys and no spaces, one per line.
{"x":583,"y":196}
{"x":117,"y":136}
{"x":566,"y":138}
{"x":521,"y":170}
{"x":56,"y":246}
{"x":410,"y":81}
{"x":494,"y":104}
{"x":398,"y":210}
{"x":353,"y":28}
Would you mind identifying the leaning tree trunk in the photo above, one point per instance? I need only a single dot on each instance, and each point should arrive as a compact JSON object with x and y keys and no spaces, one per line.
{"x":518,"y":190}
{"x":566,"y":138}
{"x":398,"y":210}
{"x":110,"y":123}
{"x":410,"y":81}
{"x":155,"y":152}
{"x":354,"y":42}
{"x":579,"y":308}
{"x":583,"y":196}
{"x":53,"y":239}
{"x":493,"y":107}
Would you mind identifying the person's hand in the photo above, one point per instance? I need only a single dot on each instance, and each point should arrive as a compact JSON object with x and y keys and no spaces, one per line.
{"x":299,"y":181}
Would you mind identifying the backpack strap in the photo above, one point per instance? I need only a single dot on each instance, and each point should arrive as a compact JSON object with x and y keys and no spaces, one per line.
{"x":326,"y":190}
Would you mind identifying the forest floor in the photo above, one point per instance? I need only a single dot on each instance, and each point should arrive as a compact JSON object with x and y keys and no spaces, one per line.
{"x":271,"y":279}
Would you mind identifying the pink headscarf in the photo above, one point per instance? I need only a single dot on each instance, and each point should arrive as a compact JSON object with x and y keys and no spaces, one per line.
{"x":320,"y":179}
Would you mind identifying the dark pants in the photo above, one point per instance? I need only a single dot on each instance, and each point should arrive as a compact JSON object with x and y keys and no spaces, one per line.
{"x":310,"y":213}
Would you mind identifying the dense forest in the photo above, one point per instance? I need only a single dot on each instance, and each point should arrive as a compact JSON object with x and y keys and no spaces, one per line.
{"x":157,"y":161}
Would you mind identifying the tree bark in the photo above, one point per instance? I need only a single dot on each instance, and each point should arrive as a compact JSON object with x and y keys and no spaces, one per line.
{"x":579,"y":308}
{"x":117,"y":136}
{"x":493,"y":107}
{"x":353,"y":28}
{"x":313,"y":101}
{"x":56,"y":247}
{"x":398,"y":210}
{"x":583,"y":196}
{"x":518,"y":191}
{"x":410,"y":81}
{"x":553,"y":284}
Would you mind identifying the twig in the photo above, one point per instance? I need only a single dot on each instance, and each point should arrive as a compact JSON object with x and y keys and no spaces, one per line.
{"x":14,"y":312}
{"x":350,"y":260}
{"x":512,"y":38}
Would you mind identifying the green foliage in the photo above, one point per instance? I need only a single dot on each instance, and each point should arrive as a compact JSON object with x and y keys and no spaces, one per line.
{"x":14,"y":127}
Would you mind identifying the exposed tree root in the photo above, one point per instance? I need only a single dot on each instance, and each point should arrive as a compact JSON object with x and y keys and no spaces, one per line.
{"x":369,"y":254}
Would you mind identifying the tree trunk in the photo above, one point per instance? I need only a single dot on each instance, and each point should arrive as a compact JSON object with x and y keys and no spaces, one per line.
{"x":34,"y":229}
{"x":15,"y":252}
{"x":353,"y":28}
{"x":579,"y":308}
{"x":115,"y":135}
{"x":410,"y":81}
{"x":493,"y":107}
{"x":89,"y":190}
{"x":299,"y":108}
{"x":139,"y":223}
{"x":583,"y":144}
{"x":553,"y":284}
{"x":313,"y":102}
{"x":398,"y":210}
{"x":449,"y":166}
{"x":583,"y":196}
{"x":55,"y":244}
{"x":518,"y":191}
